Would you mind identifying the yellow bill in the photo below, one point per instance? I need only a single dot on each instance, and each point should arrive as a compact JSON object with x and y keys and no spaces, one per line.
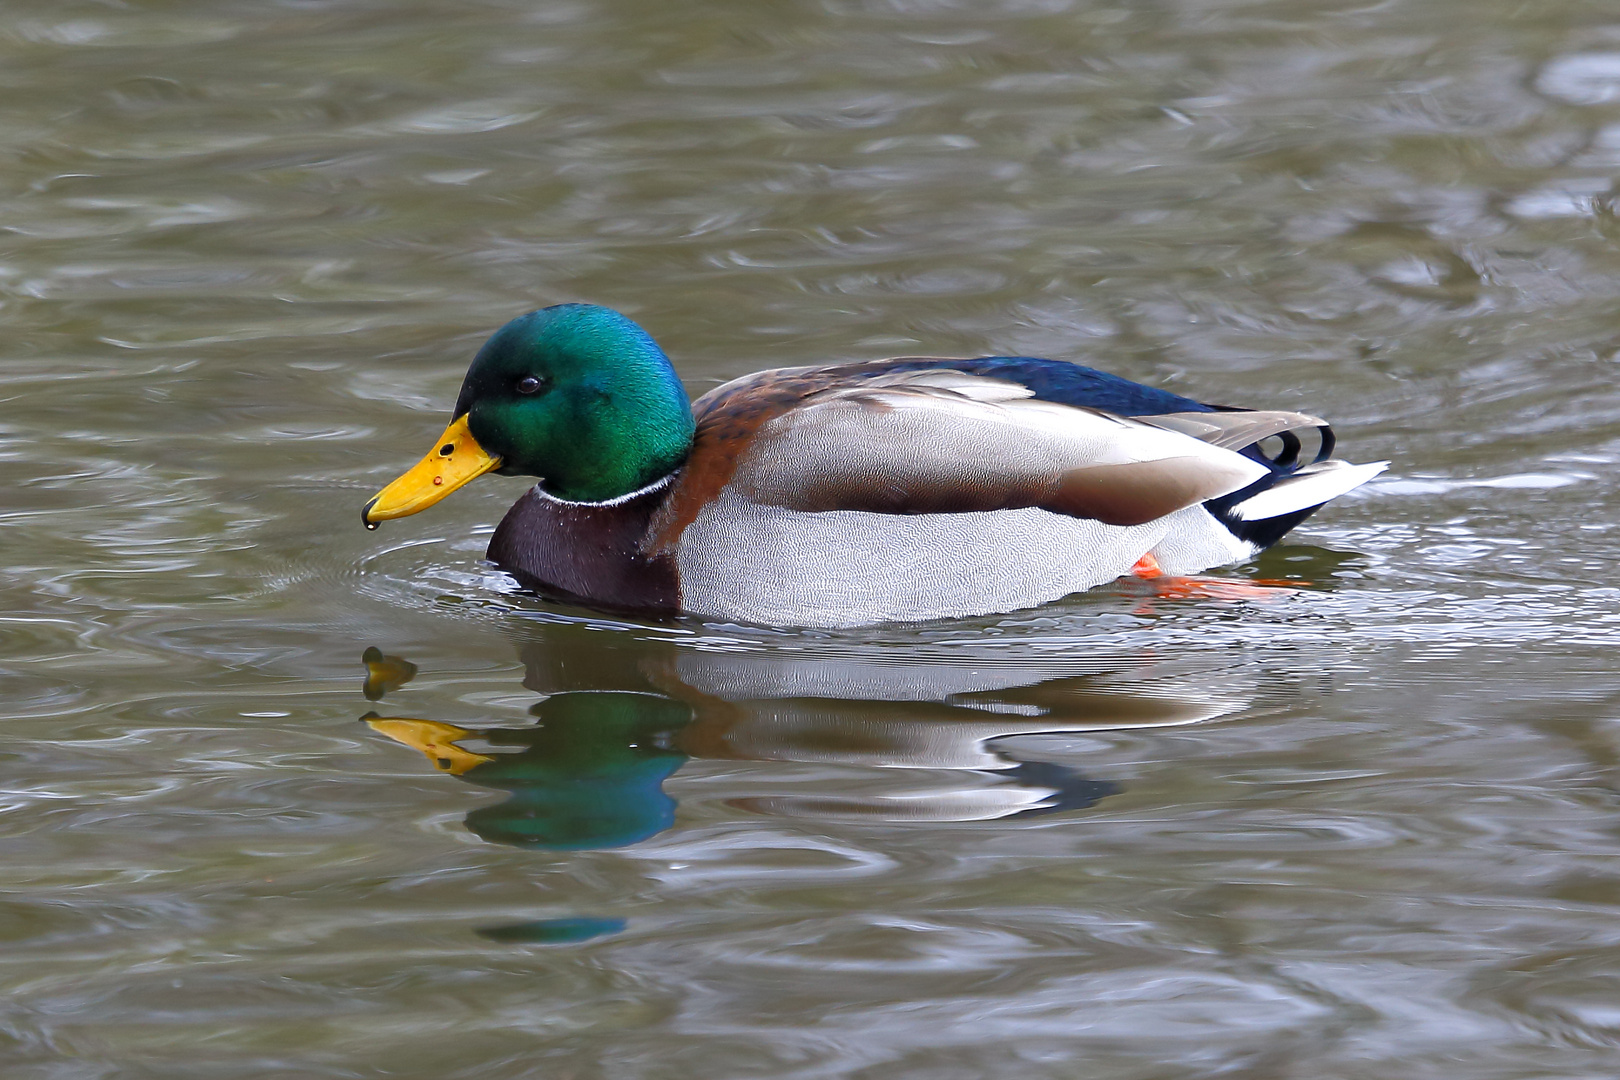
{"x":434,"y":738}
{"x":455,"y":460}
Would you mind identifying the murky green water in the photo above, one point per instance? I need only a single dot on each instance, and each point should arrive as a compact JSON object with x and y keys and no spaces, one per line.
{"x":1365,"y":831}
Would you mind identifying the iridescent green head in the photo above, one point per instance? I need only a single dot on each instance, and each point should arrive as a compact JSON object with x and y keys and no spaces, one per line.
{"x":576,"y":394}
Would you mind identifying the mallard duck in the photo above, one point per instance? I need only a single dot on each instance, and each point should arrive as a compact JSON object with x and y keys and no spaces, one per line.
{"x":852,"y":493}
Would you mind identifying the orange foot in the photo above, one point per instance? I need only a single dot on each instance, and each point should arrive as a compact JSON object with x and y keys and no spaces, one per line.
{"x":1170,"y":587}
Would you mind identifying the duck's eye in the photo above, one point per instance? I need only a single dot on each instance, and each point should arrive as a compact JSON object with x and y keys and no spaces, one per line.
{"x":529,"y":384}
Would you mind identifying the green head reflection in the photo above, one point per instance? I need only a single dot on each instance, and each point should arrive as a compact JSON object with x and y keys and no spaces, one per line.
{"x":589,"y":775}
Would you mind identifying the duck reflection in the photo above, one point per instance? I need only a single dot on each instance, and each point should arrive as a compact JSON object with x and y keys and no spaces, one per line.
{"x":589,"y":774}
{"x":620,"y":717}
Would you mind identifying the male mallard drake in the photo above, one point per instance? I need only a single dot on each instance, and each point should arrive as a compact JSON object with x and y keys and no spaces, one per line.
{"x":847,"y":494}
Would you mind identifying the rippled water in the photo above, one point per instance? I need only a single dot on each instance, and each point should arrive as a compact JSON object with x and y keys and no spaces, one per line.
{"x":1363,"y":830}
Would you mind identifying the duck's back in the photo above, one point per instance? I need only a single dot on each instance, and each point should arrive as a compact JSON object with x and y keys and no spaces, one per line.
{"x":919,"y":488}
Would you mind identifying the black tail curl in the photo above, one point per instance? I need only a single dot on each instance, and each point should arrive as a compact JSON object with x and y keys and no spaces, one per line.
{"x":1265,"y":532}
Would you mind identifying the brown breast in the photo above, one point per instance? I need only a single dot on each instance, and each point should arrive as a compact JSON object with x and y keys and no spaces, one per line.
{"x":588,"y":552}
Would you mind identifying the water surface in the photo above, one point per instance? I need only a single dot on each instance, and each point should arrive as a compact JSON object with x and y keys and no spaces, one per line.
{"x":1363,"y":830}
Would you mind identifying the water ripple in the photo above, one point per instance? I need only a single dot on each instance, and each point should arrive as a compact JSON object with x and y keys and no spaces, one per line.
{"x":1365,"y":828}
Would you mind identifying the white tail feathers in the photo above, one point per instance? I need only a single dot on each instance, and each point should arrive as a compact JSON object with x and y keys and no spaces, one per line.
{"x":1311,"y":486}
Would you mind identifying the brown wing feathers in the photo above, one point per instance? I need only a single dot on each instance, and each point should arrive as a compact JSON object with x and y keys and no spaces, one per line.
{"x":727,"y":418}
{"x":945,"y":441}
